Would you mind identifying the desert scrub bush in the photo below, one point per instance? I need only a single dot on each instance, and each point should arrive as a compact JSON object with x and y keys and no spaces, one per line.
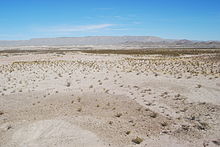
{"x":202,"y":126}
{"x":177,"y":95}
{"x":153,"y":114}
{"x":198,"y":86}
{"x":183,"y":110}
{"x":127,"y":132}
{"x":164,"y":124}
{"x":59,"y":74}
{"x":118,"y":115}
{"x":68,"y":84}
{"x":138,"y":109}
{"x":137,"y":140}
{"x":79,"y":109}
{"x":1,"y":112}
{"x":216,"y":142}
{"x":110,"y":122}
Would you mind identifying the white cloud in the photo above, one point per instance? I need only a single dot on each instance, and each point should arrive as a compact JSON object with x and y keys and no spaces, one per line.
{"x":81,"y":28}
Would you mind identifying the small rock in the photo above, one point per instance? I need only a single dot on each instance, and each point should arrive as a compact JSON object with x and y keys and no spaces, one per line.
{"x":137,"y":140}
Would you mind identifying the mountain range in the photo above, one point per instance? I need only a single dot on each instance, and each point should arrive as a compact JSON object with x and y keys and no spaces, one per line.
{"x":146,"y":41}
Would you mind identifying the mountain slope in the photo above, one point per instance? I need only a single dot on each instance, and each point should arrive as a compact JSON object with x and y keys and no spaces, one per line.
{"x":148,"y":41}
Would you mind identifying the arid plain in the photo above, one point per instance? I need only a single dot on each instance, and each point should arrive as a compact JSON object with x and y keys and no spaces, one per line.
{"x":110,"y":98}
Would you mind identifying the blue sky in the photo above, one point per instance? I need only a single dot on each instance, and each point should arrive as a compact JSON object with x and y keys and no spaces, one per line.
{"x":174,"y":19}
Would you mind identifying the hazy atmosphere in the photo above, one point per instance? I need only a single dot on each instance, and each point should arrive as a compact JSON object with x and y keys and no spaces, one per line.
{"x":170,"y":19}
{"x":119,"y":73}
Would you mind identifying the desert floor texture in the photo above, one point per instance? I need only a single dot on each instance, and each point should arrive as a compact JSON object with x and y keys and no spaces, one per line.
{"x":76,"y":98}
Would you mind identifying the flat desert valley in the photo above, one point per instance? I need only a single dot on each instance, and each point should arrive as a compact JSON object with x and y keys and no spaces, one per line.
{"x":96,"y":98}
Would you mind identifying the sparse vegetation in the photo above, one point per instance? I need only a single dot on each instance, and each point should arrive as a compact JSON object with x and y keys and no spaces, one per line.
{"x":165,"y":52}
{"x":149,"y":110}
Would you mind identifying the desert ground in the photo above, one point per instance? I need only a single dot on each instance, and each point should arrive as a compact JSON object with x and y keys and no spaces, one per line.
{"x":95,"y":98}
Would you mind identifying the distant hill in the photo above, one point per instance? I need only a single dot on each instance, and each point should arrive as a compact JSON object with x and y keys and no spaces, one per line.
{"x":148,"y":41}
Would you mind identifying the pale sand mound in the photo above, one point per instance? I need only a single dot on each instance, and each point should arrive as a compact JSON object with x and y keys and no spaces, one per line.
{"x":54,"y":133}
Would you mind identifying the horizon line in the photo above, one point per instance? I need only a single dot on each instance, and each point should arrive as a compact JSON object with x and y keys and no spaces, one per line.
{"x":109,"y":36}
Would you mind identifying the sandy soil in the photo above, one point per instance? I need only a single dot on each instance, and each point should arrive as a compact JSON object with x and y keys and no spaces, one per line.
{"x":79,"y":99}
